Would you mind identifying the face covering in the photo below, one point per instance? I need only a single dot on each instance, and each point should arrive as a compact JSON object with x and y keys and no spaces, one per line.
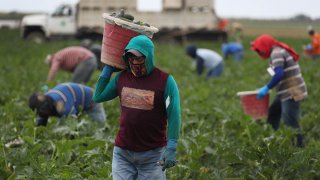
{"x":137,"y":66}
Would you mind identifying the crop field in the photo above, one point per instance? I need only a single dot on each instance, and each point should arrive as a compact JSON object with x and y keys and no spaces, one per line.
{"x":283,"y":28}
{"x":217,"y":141}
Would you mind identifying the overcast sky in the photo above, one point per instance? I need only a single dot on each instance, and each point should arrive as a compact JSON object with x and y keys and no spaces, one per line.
{"x":262,"y":9}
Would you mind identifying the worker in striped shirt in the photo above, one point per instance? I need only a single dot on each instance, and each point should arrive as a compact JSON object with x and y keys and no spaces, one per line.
{"x":287,"y":78}
{"x":67,"y":99}
{"x":78,"y":60}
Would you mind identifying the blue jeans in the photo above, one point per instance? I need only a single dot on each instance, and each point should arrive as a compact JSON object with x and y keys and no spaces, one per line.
{"x":237,"y":56}
{"x":216,"y":71}
{"x":97,"y":113}
{"x":132,"y":165}
{"x":83,"y":71}
{"x":289,"y":110}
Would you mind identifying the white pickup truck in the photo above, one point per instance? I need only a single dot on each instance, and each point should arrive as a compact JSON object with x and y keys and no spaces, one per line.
{"x":40,"y":27}
{"x":85,"y":18}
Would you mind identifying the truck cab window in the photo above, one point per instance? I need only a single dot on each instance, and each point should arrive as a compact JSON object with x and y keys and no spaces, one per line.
{"x":63,"y":11}
{"x":67,"y":11}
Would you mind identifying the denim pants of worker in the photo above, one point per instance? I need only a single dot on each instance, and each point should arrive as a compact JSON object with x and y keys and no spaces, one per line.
{"x":84,"y":70}
{"x":216,"y":71}
{"x":237,"y":56}
{"x":289,"y":110}
{"x":137,"y":165}
{"x":97,"y":113}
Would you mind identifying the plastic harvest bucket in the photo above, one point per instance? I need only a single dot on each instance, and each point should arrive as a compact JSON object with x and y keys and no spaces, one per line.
{"x":256,"y":108}
{"x":116,"y":35}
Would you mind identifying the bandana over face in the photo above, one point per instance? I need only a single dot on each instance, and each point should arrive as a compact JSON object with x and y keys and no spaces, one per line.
{"x":137,"y":65}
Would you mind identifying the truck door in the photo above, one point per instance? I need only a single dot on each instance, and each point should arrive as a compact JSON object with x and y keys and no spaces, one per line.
{"x":62,"y":21}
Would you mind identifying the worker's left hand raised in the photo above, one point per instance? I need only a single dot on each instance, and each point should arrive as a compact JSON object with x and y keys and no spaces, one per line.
{"x":107,"y":71}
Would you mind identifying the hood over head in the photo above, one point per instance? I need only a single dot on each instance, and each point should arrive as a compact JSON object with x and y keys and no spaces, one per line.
{"x":191,"y":50}
{"x":264,"y":44}
{"x":143,"y":45}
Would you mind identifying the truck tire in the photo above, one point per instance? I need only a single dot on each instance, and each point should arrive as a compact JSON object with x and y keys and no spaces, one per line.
{"x":36,"y":37}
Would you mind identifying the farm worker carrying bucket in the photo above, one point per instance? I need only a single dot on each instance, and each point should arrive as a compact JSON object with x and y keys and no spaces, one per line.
{"x":118,"y":30}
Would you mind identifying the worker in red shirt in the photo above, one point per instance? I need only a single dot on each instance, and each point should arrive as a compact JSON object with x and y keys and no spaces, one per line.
{"x":78,"y":60}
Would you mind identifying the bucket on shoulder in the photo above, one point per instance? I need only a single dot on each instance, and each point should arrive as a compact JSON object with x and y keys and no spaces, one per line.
{"x":116,"y":35}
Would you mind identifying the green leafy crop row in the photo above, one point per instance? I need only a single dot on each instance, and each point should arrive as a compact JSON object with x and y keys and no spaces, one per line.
{"x":217,"y":140}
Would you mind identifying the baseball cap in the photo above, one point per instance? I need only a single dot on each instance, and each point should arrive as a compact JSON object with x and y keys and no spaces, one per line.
{"x":135,"y":52}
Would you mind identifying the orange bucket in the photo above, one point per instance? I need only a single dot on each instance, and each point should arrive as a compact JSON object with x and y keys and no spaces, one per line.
{"x":256,"y":108}
{"x":116,"y":35}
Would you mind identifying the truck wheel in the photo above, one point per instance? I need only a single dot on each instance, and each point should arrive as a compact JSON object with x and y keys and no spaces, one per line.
{"x":36,"y":37}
